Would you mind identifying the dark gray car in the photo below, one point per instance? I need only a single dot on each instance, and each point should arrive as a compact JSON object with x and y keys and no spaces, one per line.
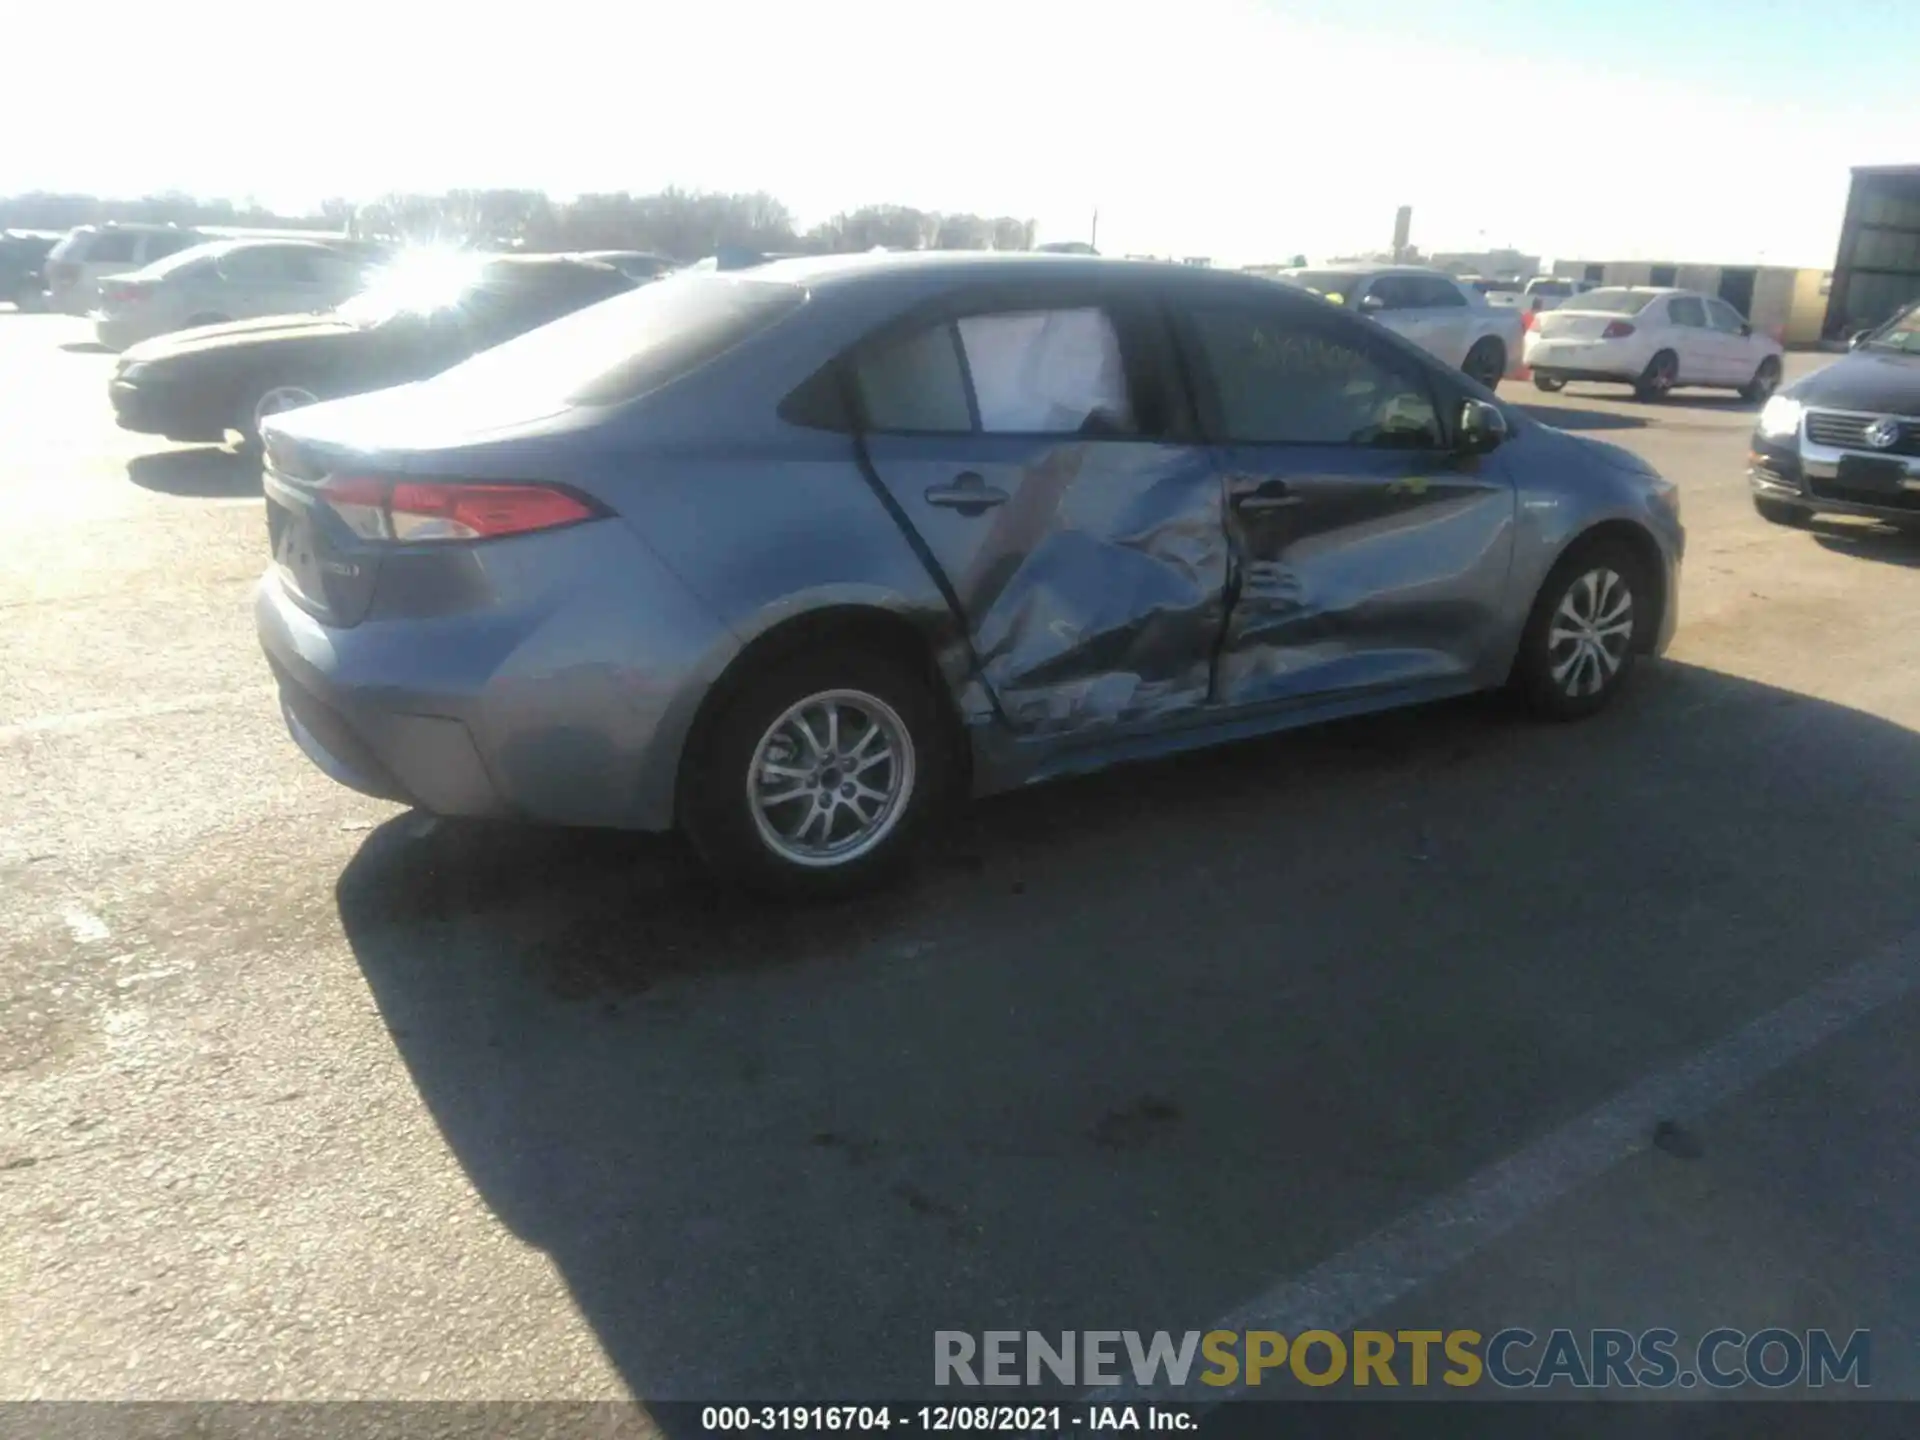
{"x":788,"y":558}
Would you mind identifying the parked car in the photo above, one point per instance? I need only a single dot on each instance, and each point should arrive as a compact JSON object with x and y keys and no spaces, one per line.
{"x":90,"y":253}
{"x":23,"y":258}
{"x":1655,"y":339}
{"x":1444,"y":317}
{"x":1846,"y":438}
{"x":1549,"y":292}
{"x":412,"y":322}
{"x":785,"y":558}
{"x":636,"y":265}
{"x":223,"y":281}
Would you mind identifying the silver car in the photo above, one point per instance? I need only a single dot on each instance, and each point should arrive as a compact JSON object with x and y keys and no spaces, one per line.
{"x":223,"y":281}
{"x":790,"y":558}
{"x":1450,"y":320}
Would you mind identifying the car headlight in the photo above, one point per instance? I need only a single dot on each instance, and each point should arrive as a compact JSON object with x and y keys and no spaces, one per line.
{"x":134,"y":371}
{"x":1780,"y":418}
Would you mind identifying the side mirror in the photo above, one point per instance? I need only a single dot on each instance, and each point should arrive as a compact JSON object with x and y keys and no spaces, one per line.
{"x":1370,"y":304}
{"x":1857,"y":339}
{"x":1482,"y":427}
{"x":1746,"y":329}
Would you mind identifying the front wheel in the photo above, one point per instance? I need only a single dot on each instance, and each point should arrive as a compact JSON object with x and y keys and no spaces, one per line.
{"x":1552,"y":384}
{"x":819,"y":775}
{"x":1486,"y":363}
{"x":1579,"y":644}
{"x":1766,"y":380}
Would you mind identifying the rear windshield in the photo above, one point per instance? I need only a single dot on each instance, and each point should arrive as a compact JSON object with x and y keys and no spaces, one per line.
{"x":622,"y":348}
{"x":1613,"y":302}
{"x":1550,"y":287}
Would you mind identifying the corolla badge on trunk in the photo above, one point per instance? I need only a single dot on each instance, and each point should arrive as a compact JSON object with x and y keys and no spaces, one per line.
{"x":1883,"y":434}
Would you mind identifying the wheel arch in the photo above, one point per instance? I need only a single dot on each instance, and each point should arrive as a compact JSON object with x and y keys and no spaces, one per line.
{"x":915,"y":643}
{"x":1644,"y":547}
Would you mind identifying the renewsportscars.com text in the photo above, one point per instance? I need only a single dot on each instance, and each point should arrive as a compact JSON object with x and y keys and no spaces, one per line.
{"x":1513,"y":1358}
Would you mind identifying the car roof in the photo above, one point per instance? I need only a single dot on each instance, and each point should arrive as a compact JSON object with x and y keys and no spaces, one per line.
{"x":935,"y":270}
{"x":1359,"y":268}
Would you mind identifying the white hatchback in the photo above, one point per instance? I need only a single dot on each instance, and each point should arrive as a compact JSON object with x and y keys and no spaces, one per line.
{"x":1653,"y":339}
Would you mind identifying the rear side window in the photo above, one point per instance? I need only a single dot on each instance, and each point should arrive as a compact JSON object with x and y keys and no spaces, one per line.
{"x":113,"y":247}
{"x":1432,"y":293}
{"x":915,"y":383}
{"x":1032,"y":372}
{"x":1687,"y":310}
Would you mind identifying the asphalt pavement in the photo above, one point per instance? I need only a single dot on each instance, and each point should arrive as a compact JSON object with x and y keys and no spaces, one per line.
{"x":304,"y":1096}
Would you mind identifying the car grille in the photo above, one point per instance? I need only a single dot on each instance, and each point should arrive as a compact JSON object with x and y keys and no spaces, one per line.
{"x":1849,"y":432}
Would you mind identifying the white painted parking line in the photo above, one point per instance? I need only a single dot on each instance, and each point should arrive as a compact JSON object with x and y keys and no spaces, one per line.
{"x":83,"y":719}
{"x":1423,"y":1244}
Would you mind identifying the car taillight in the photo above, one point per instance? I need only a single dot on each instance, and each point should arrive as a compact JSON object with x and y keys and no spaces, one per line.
{"x":123,"y":292}
{"x":1617,"y":330}
{"x":414,"y":511}
{"x":1527,"y":319}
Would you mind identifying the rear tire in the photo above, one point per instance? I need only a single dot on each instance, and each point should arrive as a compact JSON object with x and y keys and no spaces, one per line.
{"x":1656,"y":382}
{"x":1486,"y":362}
{"x":1766,"y":380}
{"x":1585,"y":631}
{"x":1780,"y":512}
{"x":819,"y":776}
{"x":1552,"y":384}
{"x":260,"y":400}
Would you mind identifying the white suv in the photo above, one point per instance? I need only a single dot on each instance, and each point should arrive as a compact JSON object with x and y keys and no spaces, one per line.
{"x":76,"y":266}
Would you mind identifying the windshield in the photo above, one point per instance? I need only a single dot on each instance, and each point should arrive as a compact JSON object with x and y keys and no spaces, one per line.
{"x":1901,"y":333}
{"x":417,"y":283}
{"x":622,"y":348}
{"x":1332,"y":284}
{"x":1612,"y":302}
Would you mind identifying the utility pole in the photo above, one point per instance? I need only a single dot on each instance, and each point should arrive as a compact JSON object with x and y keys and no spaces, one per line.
{"x":1094,"y":239}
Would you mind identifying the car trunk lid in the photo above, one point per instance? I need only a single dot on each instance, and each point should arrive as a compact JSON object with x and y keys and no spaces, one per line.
{"x":1566,"y":323}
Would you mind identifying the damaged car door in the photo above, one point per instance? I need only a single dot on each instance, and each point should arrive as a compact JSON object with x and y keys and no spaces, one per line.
{"x":1041,"y":445}
{"x":1367,"y":552}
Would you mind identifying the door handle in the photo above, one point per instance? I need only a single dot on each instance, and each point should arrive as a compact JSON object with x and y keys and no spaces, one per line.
{"x":968,"y":494}
{"x":1259,"y":494}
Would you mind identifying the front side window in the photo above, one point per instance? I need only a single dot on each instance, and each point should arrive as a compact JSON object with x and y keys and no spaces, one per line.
{"x":1688,"y":311}
{"x":1278,"y":381}
{"x":1392,"y":292}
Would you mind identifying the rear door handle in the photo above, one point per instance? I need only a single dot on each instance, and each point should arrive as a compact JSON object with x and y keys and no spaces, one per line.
{"x":967,"y":493}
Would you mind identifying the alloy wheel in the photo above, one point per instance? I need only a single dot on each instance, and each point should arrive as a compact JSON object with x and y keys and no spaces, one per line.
{"x":830,"y":778}
{"x":1590,"y":633}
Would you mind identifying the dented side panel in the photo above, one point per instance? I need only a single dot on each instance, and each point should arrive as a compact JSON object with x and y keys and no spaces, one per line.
{"x":1387,"y":569}
{"x":1094,"y":589}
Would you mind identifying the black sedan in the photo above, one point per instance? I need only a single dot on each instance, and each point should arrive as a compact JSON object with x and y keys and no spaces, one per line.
{"x":419,"y":318}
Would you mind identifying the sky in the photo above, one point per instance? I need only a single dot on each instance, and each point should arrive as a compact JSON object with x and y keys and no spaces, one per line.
{"x":1243,"y":130}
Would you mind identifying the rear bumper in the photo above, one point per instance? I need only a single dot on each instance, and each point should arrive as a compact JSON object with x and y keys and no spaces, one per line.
{"x":117,"y":332}
{"x":571,"y":707}
{"x":1580,"y":360}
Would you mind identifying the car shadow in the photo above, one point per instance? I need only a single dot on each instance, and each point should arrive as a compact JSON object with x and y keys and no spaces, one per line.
{"x":1566,"y":417}
{"x":84,"y":347}
{"x":1883,"y":543}
{"x":204,"y":470}
{"x":1133,"y":1046}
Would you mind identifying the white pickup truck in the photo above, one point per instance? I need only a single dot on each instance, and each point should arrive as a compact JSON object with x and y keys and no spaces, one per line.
{"x":1438,"y":313}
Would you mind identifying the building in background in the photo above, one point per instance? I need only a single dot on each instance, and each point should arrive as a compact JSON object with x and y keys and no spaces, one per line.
{"x":1877,"y":268}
